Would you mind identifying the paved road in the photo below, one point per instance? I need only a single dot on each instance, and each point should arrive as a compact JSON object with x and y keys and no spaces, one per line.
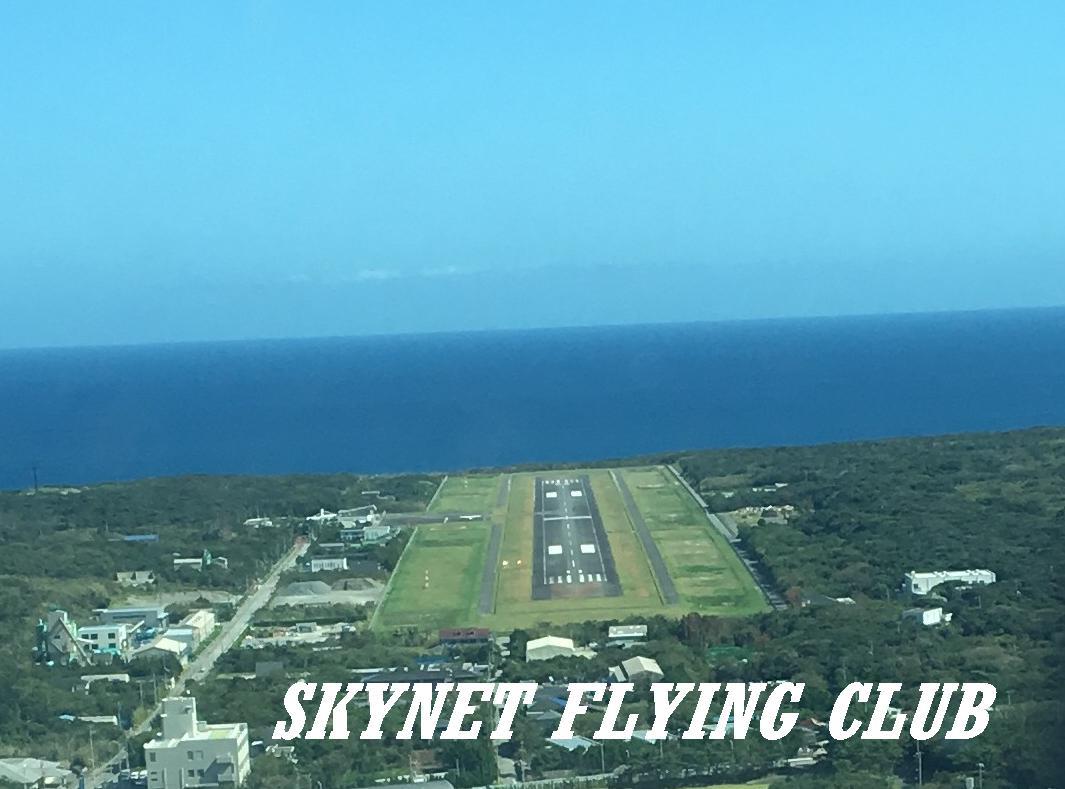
{"x":491,"y":565}
{"x":725,"y":524}
{"x":658,"y":564}
{"x":202,"y":664}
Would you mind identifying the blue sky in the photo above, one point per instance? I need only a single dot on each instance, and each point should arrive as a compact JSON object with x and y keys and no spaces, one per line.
{"x":216,"y":171}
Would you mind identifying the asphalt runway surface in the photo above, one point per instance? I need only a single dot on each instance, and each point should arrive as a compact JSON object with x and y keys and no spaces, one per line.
{"x":571,"y":552}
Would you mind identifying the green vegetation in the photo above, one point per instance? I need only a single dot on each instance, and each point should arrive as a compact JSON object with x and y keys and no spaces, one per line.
{"x":467,"y":494}
{"x":438,"y":579}
{"x":708,"y":575}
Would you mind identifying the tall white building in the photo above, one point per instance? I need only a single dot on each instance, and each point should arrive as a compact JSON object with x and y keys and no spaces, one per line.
{"x":189,"y":752}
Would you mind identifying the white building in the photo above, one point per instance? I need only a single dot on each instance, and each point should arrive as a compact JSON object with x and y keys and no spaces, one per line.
{"x":259,"y":523}
{"x":202,"y":622}
{"x":359,"y":517}
{"x":923,"y":583}
{"x":165,"y":647}
{"x":16,"y":771}
{"x":623,"y":635}
{"x":189,"y":752}
{"x":637,"y":669}
{"x":107,"y":639}
{"x":926,"y":616}
{"x":328,"y":563}
{"x":135,"y":577}
{"x":640,"y":669}
{"x":376,"y":533}
{"x":554,"y":646}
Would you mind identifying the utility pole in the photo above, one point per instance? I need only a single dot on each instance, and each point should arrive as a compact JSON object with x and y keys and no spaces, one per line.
{"x":980,"y":775}
{"x":920,"y":770}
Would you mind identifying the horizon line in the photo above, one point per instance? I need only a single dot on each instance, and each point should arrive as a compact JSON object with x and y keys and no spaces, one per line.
{"x":529,"y":329}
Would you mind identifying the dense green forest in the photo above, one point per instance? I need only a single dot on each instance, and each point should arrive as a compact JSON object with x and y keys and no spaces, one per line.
{"x":868,"y":513}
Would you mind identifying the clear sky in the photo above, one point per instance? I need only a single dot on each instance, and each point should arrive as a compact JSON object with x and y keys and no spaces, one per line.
{"x":220,"y":170}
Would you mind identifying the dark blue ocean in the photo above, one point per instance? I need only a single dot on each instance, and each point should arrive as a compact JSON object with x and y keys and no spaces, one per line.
{"x":446,"y":402}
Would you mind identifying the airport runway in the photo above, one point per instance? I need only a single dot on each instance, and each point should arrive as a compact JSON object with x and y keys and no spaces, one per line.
{"x":571,"y":552}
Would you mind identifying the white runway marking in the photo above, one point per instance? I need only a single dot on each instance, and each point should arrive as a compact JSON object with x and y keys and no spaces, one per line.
{"x":587,"y":548}
{"x":576,"y":493}
{"x":552,"y":494}
{"x":567,"y":517}
{"x":554,"y":550}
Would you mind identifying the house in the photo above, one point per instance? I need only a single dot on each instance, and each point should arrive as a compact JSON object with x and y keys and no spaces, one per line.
{"x":332,"y":547}
{"x":259,"y":523}
{"x":328,"y":564}
{"x":202,"y":621}
{"x":626,"y":635}
{"x":114,"y":639}
{"x":57,"y":641}
{"x":153,"y":616}
{"x":135,"y":578}
{"x":376,"y":533}
{"x":923,"y":583}
{"x":926,"y":616}
{"x":641,"y":669}
{"x":188,"y":564}
{"x":548,"y":703}
{"x":354,"y":534}
{"x":451,"y":636}
{"x":190,"y":753}
{"x":572,"y":744}
{"x":554,"y":646}
{"x":27,"y":772}
{"x":164,"y":647}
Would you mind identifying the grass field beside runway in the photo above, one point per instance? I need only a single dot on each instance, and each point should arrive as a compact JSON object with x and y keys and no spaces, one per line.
{"x":470,"y":494}
{"x":453,"y":554}
{"x":708,"y":575}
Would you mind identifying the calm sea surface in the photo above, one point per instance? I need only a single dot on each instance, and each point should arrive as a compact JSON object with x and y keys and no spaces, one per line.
{"x":444,"y":402}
